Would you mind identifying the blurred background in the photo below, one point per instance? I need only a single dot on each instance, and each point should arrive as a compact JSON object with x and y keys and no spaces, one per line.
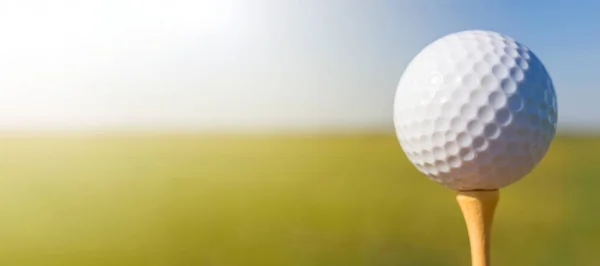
{"x":255,"y":132}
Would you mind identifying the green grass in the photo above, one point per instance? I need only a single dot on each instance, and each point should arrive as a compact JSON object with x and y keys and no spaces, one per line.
{"x":275,"y":200}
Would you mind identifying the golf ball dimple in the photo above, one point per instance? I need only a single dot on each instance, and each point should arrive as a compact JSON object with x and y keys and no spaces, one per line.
{"x":475,"y":110}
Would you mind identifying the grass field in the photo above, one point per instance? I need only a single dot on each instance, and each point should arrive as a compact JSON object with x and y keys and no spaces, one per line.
{"x":275,"y":200}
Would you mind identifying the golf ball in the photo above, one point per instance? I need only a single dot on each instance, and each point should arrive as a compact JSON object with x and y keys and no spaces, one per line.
{"x":475,"y":110}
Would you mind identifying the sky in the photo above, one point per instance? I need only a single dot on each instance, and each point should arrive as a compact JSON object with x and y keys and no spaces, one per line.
{"x":259,"y":64}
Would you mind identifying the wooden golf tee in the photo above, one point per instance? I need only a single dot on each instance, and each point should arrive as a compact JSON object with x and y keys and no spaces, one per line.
{"x":478,"y":209}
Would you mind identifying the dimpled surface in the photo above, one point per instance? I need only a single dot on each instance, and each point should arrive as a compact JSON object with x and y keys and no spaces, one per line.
{"x":475,"y":110}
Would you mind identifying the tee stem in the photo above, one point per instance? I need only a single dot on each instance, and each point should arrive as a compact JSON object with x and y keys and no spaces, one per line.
{"x":478,"y":209}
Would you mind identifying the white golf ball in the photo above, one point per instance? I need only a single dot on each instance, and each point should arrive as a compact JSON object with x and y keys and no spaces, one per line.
{"x":475,"y":110}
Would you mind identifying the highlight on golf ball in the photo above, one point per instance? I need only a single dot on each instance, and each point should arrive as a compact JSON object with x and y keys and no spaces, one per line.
{"x":475,"y":110}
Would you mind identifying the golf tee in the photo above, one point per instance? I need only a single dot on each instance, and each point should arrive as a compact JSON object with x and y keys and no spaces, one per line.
{"x":478,"y":209}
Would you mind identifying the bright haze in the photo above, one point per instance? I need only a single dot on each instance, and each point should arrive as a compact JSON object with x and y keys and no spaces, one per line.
{"x":256,"y":64}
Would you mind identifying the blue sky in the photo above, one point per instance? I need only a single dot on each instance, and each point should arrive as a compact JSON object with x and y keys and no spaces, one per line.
{"x":236,"y":64}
